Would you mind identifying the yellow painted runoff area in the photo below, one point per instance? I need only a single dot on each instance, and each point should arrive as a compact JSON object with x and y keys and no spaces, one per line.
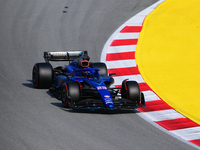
{"x":168,"y":55}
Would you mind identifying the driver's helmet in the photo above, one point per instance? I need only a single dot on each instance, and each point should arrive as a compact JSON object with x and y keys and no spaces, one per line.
{"x":87,"y":74}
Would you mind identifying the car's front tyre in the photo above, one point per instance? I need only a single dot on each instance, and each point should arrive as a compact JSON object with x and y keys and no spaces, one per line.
{"x":70,"y":94}
{"x":131,"y":90}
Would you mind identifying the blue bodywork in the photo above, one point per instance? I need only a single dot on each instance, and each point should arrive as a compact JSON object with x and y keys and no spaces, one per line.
{"x":92,"y":77}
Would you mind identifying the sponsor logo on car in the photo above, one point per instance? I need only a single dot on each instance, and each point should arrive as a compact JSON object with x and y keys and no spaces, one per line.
{"x":101,"y":87}
{"x":108,"y":100}
{"x":58,"y":53}
{"x":74,"y":53}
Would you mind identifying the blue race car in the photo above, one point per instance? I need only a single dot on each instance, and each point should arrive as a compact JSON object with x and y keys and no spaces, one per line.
{"x":84,"y":85}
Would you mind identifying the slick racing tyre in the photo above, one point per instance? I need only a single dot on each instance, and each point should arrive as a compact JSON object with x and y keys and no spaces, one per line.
{"x":70,"y":94}
{"x":42,"y":75}
{"x":101,"y":66}
{"x":131,"y":90}
{"x":142,"y":98}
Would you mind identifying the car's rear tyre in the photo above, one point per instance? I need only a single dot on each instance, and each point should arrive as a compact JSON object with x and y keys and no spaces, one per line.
{"x":131,"y":90}
{"x":70,"y":94}
{"x":101,"y":66}
{"x":42,"y":75}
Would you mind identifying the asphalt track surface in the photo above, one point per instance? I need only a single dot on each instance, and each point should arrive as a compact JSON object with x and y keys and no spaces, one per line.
{"x":32,"y":118}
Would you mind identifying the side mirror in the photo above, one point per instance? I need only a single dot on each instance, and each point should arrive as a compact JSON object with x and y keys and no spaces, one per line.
{"x":112,"y":74}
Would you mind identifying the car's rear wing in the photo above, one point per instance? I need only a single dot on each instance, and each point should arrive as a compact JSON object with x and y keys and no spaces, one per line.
{"x":63,"y":56}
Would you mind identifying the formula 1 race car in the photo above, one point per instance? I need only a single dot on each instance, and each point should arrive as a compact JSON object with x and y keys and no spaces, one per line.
{"x":84,"y":85}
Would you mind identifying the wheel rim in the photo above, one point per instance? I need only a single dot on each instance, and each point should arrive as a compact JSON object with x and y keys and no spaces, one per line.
{"x":65,"y":96}
{"x":35,"y":76}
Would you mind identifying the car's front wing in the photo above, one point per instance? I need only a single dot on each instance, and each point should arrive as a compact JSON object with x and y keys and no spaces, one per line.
{"x":120,"y":103}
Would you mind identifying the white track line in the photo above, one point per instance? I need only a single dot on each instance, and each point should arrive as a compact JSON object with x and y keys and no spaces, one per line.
{"x":119,"y":49}
{"x":163,"y":115}
{"x":121,"y":63}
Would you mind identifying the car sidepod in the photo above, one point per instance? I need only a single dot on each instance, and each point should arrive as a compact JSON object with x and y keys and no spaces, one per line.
{"x":59,"y":80}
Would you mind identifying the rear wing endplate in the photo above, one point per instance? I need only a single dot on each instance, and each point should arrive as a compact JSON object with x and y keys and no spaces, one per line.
{"x":63,"y":56}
